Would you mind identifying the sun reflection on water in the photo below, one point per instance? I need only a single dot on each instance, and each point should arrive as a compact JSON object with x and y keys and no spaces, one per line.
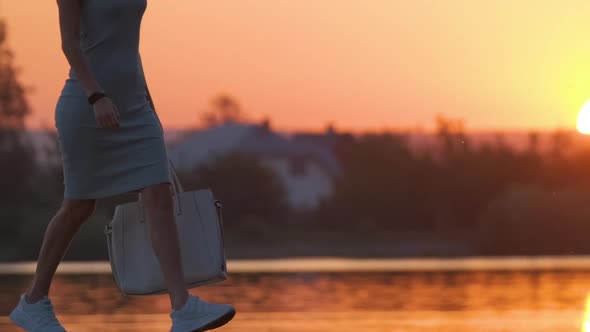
{"x":586,"y":327}
{"x":517,"y":301}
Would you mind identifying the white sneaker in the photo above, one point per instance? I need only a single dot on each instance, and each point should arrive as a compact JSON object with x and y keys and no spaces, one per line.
{"x":197,"y":315}
{"x":36,"y":317}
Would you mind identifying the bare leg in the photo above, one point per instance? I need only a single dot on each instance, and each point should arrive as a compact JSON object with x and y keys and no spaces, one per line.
{"x":58,"y":236}
{"x":164,"y":236}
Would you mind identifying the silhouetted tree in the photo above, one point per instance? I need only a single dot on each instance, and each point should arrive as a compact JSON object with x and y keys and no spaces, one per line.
{"x":16,"y":153}
{"x":13,"y":103}
{"x":250,"y":191}
{"x":559,"y":161}
{"x":451,"y":132}
{"x":382,"y":186}
{"x":531,"y":220}
{"x":224,"y":108}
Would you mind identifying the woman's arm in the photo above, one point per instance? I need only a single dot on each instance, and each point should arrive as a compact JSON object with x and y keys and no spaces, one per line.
{"x":69,"y":23}
{"x":147,"y":91}
{"x":105,"y":112}
{"x":149,"y":97}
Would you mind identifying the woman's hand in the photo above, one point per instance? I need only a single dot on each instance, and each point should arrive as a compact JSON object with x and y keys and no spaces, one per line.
{"x":106,"y":114}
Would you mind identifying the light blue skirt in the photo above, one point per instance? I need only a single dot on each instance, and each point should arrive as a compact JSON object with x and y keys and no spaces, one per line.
{"x":99,"y":162}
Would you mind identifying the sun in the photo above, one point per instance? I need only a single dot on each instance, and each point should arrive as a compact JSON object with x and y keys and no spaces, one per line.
{"x":584,"y":119}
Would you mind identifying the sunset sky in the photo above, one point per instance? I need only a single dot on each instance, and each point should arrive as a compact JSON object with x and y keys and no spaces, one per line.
{"x":374,"y":64}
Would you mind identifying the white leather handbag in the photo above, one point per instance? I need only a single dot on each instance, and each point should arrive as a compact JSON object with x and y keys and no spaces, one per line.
{"x":136,"y":269}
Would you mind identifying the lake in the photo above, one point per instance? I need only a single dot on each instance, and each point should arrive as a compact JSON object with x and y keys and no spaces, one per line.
{"x":441,"y":301}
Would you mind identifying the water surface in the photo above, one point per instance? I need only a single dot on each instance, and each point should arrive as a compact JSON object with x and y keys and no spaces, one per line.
{"x":335,"y":302}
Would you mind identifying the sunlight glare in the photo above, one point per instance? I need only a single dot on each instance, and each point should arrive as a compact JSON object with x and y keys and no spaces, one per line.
{"x":586,"y":327}
{"x":584,"y":119}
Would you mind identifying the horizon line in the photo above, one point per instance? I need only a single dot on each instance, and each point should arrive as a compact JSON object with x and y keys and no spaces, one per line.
{"x":343,"y":265}
{"x":344,"y":130}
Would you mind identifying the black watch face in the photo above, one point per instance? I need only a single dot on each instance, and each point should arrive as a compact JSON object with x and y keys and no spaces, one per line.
{"x":95,"y":97}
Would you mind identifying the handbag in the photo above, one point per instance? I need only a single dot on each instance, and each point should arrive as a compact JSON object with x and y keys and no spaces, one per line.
{"x":199,"y":220}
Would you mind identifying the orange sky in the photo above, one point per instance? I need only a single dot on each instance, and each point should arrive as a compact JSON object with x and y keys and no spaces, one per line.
{"x":360,"y":64}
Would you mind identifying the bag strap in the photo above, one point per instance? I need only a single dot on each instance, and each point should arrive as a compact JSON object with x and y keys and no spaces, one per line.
{"x":177,"y":191}
{"x":219,"y":208}
{"x":176,"y":185}
{"x":176,"y":180}
{"x":109,"y":234}
{"x":178,"y":188}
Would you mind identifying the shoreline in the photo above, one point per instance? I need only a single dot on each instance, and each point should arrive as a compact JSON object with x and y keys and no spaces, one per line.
{"x":341,"y":265}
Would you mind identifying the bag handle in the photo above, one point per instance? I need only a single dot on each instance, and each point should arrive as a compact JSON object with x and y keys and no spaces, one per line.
{"x":177,"y":191}
{"x":109,"y":234}
{"x":175,"y":179}
{"x":178,"y":188}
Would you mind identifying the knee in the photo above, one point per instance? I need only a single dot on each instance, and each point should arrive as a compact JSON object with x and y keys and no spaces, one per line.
{"x":79,"y":208}
{"x":158,"y":199}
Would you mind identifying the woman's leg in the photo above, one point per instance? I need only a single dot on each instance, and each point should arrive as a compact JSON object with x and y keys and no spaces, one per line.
{"x":164,"y":236}
{"x":58,"y":235}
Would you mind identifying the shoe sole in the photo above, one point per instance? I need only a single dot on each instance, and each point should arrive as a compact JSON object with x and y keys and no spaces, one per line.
{"x":14,"y":317}
{"x":219,"y":322}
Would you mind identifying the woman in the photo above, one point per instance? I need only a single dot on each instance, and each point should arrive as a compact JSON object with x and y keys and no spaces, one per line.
{"x":111,"y":143}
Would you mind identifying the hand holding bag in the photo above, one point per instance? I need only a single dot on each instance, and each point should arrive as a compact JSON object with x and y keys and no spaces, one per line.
{"x":200,"y":231}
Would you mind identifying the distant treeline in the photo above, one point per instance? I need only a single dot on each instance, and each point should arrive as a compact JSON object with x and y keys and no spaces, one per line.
{"x":509,"y":202}
{"x":504,"y":201}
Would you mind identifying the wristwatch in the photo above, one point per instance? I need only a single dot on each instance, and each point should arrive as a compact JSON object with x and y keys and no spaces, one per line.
{"x":95,"y":96}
